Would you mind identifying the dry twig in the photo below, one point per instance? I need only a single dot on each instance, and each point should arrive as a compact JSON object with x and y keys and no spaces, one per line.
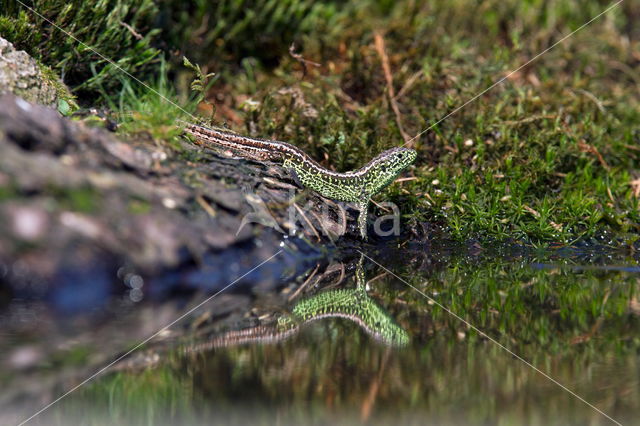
{"x":131,"y":30}
{"x":380,"y":48}
{"x":585,"y":147}
{"x":298,"y":57}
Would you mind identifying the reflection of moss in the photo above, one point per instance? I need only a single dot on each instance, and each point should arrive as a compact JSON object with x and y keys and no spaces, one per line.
{"x":77,"y":356}
{"x":562,"y":310}
{"x":565,"y":321}
{"x":151,"y":397}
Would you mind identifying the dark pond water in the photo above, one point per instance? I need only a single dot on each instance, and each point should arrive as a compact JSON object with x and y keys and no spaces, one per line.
{"x":372,"y":340}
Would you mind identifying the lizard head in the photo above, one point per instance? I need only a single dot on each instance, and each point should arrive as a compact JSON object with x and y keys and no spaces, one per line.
{"x":384,"y":169}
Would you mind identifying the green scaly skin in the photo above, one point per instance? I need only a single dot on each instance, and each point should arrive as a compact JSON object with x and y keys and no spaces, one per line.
{"x":353,"y":304}
{"x":357,"y":186}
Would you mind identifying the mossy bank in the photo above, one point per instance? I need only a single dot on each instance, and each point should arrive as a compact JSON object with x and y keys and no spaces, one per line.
{"x":549,"y":155}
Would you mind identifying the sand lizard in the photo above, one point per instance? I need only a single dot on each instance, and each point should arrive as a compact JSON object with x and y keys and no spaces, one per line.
{"x":357,"y":186}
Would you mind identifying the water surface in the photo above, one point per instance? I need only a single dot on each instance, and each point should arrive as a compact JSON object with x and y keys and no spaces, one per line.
{"x":335,"y":346}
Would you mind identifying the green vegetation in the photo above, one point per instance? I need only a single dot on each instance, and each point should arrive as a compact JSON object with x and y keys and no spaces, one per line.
{"x":139,"y":207}
{"x":230,"y":31}
{"x":118,"y":29}
{"x":83,"y":199}
{"x":7,"y":191}
{"x":147,"y":111}
{"x":548,"y":155}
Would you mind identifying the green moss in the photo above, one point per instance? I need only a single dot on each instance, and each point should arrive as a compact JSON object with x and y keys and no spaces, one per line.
{"x":7,"y":192}
{"x":139,"y":207}
{"x":66,"y":100}
{"x":548,"y":155}
{"x":84,"y":200}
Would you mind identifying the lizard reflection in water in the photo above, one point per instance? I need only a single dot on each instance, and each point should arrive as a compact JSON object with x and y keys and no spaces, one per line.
{"x":353,"y":304}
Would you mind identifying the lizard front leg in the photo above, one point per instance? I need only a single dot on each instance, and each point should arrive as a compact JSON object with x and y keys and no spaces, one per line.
{"x":363,"y":207}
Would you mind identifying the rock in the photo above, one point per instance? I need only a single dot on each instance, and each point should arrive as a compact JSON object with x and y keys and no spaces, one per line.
{"x":21,"y":75}
{"x":76,"y":204}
